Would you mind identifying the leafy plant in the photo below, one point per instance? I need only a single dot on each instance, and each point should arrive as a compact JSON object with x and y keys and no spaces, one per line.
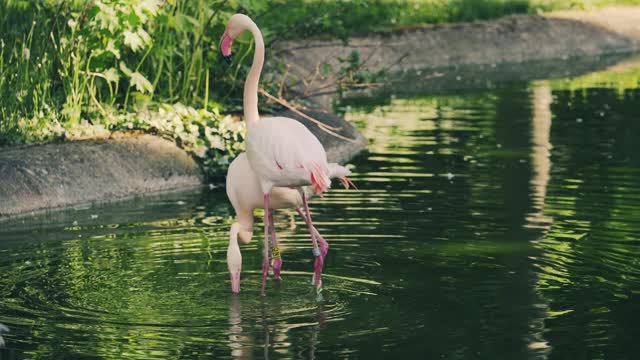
{"x":81,"y":68}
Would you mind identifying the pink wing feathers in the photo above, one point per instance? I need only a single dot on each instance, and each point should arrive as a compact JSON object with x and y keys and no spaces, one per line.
{"x":283,"y":152}
{"x":319,"y":180}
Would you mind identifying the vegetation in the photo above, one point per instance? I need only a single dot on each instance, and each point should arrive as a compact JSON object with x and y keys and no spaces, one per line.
{"x":342,"y":18}
{"x":74,"y":68}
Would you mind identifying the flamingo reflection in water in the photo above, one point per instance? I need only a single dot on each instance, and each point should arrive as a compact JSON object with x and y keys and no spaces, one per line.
{"x":241,"y":341}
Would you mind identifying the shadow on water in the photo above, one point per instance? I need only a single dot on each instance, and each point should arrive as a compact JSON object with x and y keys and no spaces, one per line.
{"x":490,"y":223}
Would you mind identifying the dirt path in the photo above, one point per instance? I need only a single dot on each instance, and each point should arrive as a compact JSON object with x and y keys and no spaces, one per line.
{"x":624,"y":21}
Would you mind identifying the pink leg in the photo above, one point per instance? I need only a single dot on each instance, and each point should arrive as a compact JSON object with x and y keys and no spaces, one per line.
{"x":315,"y":235}
{"x":319,"y":251}
{"x":265,"y":264}
{"x":275,"y":250}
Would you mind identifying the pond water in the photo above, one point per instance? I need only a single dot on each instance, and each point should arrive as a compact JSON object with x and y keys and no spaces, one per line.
{"x":494,"y":224}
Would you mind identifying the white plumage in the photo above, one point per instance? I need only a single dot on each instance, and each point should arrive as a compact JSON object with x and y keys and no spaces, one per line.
{"x":281,"y":151}
{"x":245,"y":194}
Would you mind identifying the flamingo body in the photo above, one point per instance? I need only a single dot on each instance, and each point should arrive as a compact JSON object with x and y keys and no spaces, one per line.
{"x":245,"y":195}
{"x":283,"y":152}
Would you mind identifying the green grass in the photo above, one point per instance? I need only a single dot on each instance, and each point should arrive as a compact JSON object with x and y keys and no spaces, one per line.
{"x":73,"y":69}
{"x":343,"y":18}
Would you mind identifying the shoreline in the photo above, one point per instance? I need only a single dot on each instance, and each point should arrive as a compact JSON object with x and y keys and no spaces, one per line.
{"x":483,"y":46}
{"x":53,"y":176}
{"x":57,"y":175}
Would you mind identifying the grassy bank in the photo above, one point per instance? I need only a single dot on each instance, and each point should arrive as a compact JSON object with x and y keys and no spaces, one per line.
{"x":75,"y":69}
{"x":344,"y":18}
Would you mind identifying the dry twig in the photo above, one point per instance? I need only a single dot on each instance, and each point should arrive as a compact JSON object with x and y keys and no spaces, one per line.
{"x":324,"y":127}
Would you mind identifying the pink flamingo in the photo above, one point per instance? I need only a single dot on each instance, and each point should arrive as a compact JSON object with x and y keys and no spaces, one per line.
{"x":245,"y":194}
{"x":282,"y":152}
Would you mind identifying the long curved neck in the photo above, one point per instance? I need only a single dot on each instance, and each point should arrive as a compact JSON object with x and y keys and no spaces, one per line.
{"x":245,"y":219}
{"x":251,"y":84}
{"x":233,"y":236}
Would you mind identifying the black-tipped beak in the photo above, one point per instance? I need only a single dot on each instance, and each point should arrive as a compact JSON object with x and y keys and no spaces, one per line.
{"x":225,"y":47}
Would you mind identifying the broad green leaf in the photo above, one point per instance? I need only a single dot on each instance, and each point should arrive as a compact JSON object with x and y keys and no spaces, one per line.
{"x":150,"y":6}
{"x":125,"y":69}
{"x":111,"y":75}
{"x":133,"y":40}
{"x":106,"y":17}
{"x":141,"y":83}
{"x":146,"y":39}
{"x":186,"y":23}
{"x":111,"y":47}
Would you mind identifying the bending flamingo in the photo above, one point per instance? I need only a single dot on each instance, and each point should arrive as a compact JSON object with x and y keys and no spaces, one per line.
{"x":282,"y":152}
{"x":245,"y":194}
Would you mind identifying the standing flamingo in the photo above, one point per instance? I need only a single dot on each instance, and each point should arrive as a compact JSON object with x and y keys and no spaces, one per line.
{"x":282,"y":152}
{"x":245,"y":194}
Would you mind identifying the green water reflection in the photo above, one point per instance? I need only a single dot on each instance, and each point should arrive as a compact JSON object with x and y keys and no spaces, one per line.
{"x":497,"y":224}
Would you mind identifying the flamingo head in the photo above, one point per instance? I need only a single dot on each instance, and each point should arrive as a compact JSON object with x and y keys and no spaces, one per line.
{"x":236,"y":25}
{"x":234,"y":258}
{"x":244,"y":236}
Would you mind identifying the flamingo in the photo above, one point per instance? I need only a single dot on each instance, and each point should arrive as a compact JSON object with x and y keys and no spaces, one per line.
{"x":245,"y":194}
{"x":282,"y":152}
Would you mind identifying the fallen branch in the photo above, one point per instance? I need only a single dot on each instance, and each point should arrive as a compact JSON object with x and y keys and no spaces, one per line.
{"x":324,"y":127}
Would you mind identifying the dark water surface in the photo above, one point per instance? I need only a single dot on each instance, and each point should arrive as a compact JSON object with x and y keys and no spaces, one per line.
{"x":498,"y":224}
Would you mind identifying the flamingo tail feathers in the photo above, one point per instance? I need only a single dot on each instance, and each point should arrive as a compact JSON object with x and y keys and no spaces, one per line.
{"x":319,"y":180}
{"x":346,"y":182}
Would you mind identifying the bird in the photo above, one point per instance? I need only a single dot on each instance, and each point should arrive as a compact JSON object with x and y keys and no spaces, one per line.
{"x":281,"y":151}
{"x":245,"y":195}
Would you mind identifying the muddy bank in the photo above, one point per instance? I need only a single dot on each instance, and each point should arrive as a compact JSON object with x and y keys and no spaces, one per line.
{"x":486,"y":77}
{"x":491,"y":45}
{"x":79,"y":172}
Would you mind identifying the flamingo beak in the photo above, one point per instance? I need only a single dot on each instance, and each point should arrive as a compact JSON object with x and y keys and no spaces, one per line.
{"x":225,"y":47}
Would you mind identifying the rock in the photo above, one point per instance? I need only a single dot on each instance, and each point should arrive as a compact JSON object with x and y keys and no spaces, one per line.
{"x":68,"y":173}
{"x":76,"y":172}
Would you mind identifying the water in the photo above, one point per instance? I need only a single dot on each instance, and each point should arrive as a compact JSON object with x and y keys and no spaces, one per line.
{"x":492,"y":224}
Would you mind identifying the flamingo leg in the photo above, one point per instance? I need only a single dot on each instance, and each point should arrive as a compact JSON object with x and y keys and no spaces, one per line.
{"x":275,"y":250}
{"x":320,"y":246}
{"x":316,"y":238}
{"x":265,"y":264}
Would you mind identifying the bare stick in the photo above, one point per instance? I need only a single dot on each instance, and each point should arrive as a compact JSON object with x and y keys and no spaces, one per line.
{"x":324,"y":127}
